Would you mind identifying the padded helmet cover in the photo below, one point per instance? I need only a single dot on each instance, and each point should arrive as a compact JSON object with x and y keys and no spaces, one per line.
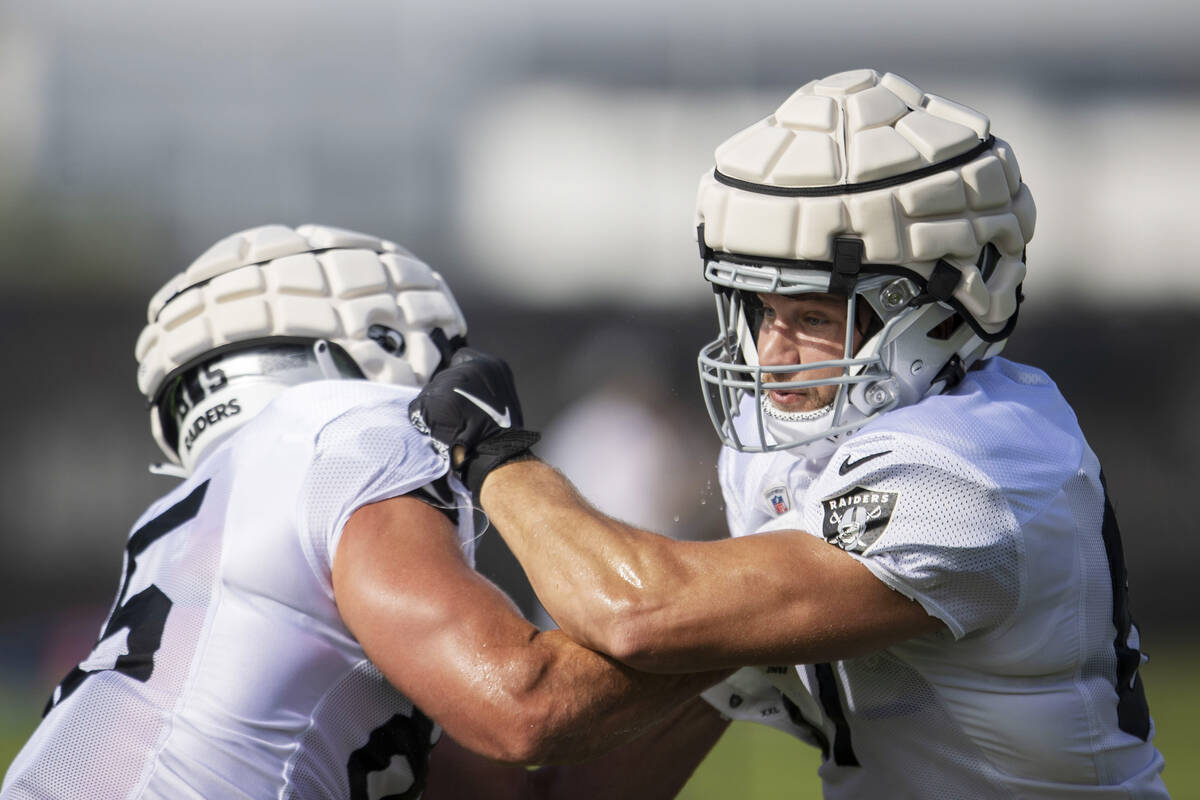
{"x":919,"y":180}
{"x":277,"y":284}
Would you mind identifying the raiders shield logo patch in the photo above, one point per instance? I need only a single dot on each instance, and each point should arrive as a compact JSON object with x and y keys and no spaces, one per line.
{"x":855,"y":519}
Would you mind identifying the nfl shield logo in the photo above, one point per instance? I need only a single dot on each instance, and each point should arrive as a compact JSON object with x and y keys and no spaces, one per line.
{"x":779,"y":499}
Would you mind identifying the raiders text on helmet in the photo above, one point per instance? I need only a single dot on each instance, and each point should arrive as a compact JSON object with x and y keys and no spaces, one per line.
{"x":274,"y":306}
{"x":866,"y":187}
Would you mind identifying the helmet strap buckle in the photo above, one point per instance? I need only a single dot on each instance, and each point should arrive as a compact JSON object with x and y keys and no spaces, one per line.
{"x":847,"y":264}
{"x":940,"y":287}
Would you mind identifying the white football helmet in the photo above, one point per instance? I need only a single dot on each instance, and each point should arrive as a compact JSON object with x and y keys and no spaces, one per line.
{"x":864,"y":187}
{"x":271,"y":307}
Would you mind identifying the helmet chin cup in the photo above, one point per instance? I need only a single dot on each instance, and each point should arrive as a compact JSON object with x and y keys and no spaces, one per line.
{"x":799,"y":427}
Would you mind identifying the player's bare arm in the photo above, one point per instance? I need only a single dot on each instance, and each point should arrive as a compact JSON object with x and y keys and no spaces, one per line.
{"x":454,"y":643}
{"x":646,"y":599}
{"x":650,"y":600}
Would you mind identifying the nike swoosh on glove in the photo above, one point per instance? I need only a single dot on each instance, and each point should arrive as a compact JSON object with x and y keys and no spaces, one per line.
{"x":470,"y":411}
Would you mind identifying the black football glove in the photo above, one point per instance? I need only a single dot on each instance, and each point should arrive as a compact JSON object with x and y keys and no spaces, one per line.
{"x":471,"y":411}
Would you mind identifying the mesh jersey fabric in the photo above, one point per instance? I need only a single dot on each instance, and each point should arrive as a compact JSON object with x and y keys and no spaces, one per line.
{"x":237,"y":677}
{"x":986,"y":506}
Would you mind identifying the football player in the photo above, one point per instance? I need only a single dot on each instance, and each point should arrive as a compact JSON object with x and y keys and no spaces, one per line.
{"x":299,"y":618}
{"x":924,"y":553}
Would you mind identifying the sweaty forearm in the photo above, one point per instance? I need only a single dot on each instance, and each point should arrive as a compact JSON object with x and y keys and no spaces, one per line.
{"x":597,"y":577}
{"x":654,"y":766}
{"x":663,"y":605}
{"x":592,"y":703}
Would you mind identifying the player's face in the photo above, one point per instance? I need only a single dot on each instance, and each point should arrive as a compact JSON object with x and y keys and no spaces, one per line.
{"x":802,"y":329}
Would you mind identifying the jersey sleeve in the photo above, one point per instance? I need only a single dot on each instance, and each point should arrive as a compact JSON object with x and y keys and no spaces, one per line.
{"x":728,"y":474}
{"x":368,"y":453}
{"x":927,"y":524}
{"x":748,"y":696}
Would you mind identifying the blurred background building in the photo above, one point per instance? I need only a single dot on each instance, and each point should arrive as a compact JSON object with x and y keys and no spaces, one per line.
{"x":544,"y":156}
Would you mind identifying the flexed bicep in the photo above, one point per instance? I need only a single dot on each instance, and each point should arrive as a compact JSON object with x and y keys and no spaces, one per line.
{"x":457,"y":646}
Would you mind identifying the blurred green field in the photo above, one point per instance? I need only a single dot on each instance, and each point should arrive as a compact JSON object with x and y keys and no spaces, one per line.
{"x":753,"y":762}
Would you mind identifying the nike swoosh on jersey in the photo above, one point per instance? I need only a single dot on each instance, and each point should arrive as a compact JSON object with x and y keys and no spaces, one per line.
{"x":848,"y":465}
{"x":503,"y":420}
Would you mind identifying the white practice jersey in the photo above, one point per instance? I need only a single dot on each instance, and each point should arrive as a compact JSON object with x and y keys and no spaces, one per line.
{"x":224,"y":670}
{"x":987,"y":507}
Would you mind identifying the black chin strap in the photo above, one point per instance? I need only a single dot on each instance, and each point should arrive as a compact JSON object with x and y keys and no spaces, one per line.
{"x":951,"y":374}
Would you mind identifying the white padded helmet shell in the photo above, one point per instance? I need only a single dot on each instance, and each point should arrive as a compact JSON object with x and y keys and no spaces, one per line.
{"x":854,"y":177}
{"x":311,"y":283}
